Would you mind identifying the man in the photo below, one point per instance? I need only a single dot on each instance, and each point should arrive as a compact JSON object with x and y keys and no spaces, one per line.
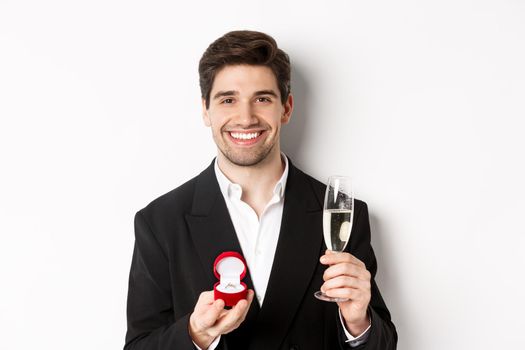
{"x":251,"y":200}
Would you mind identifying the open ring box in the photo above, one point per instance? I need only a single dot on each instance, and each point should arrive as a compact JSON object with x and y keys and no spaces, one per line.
{"x":230,"y":269}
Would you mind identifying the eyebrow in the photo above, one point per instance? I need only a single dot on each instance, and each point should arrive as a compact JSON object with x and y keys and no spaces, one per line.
{"x":225,"y":93}
{"x":220,"y":94}
{"x":266,"y":92}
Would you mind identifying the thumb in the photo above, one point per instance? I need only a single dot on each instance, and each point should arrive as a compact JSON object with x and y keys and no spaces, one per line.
{"x":213,"y":313}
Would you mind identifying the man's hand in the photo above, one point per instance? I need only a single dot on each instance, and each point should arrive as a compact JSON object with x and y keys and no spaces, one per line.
{"x":347,"y":277}
{"x":210,"y":320}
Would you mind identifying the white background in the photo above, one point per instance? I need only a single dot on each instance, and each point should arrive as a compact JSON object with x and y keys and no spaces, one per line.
{"x":421,"y":102}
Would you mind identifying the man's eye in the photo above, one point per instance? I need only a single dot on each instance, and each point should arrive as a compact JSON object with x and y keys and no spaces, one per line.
{"x":227,"y":100}
{"x":263,"y":99}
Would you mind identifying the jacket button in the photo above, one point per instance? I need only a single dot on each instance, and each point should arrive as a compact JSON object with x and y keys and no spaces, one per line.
{"x":294,"y":347}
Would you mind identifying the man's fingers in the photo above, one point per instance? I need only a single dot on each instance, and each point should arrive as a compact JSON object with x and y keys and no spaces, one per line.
{"x":206,"y":298}
{"x":210,"y":316}
{"x":331,"y":258}
{"x":234,"y":317}
{"x":205,"y":301}
{"x":348,"y":293}
{"x":344,"y":282}
{"x":239,"y":311}
{"x":215,"y":319}
{"x":250,"y":297}
{"x":212,"y":319}
{"x":249,"y":300}
{"x":346,"y":269}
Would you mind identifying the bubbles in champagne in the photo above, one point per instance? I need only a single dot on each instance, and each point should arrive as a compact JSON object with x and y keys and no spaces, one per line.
{"x":337,"y":225}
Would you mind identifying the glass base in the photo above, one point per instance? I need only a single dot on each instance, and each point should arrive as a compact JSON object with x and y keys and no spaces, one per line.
{"x":321,"y":296}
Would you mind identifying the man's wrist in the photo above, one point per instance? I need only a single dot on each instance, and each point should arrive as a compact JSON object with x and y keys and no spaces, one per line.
{"x":203,"y":341}
{"x":355,"y":328}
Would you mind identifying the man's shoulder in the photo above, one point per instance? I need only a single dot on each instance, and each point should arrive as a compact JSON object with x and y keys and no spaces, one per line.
{"x":319,"y":189}
{"x":316,"y":184}
{"x":178,"y":200}
{"x":175,"y":197}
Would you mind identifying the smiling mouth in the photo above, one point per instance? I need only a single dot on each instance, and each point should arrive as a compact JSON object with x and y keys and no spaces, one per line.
{"x":245,"y":138}
{"x":245,"y":135}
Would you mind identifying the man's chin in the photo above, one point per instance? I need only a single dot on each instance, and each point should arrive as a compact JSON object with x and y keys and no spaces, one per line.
{"x":246,"y":161}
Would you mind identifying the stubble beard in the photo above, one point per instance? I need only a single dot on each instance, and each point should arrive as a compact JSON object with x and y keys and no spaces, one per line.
{"x":247,"y":157}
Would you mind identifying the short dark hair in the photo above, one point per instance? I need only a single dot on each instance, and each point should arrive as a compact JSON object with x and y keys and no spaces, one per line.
{"x":244,"y":47}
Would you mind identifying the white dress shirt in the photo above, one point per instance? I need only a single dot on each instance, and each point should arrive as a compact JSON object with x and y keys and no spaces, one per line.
{"x":258,"y":236}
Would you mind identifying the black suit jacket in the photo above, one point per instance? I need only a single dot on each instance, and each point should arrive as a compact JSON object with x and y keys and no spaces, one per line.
{"x":179,"y":235}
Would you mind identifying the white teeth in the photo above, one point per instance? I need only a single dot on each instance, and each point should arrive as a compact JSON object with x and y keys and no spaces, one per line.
{"x":244,"y":136}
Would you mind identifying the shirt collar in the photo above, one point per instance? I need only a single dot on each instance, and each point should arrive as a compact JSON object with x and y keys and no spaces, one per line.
{"x":230,"y":189}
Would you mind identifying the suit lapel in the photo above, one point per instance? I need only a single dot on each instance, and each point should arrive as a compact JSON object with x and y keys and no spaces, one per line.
{"x":212,"y":230}
{"x":296,"y":257}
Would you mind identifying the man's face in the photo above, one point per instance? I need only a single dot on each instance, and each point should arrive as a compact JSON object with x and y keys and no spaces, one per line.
{"x":246,"y":113}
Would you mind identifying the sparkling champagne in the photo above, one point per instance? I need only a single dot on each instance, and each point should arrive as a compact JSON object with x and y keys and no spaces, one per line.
{"x":337,"y":224}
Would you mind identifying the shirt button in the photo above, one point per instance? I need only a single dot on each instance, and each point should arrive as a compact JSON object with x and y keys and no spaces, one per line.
{"x":258,"y":252}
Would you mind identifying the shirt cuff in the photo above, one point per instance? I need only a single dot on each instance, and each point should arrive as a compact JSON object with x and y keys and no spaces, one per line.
{"x":212,"y":346}
{"x":355,"y":341}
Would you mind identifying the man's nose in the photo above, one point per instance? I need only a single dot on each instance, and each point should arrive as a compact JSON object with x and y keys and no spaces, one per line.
{"x":246,"y":114}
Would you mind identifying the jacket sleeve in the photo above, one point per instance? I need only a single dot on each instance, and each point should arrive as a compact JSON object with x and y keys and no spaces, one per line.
{"x":383,"y":335}
{"x":151,"y":324}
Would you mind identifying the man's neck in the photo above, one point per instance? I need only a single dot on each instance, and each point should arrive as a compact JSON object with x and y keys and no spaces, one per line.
{"x":257,"y":181}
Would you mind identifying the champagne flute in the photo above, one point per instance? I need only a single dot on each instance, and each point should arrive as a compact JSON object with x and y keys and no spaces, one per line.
{"x":337,"y":219}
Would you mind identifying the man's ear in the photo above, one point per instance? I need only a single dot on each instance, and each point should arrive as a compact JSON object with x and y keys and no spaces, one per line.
{"x":205,"y":116}
{"x":288,"y":109}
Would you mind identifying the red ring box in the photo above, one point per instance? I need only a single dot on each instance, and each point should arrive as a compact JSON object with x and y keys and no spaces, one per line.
{"x":230,"y":269}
